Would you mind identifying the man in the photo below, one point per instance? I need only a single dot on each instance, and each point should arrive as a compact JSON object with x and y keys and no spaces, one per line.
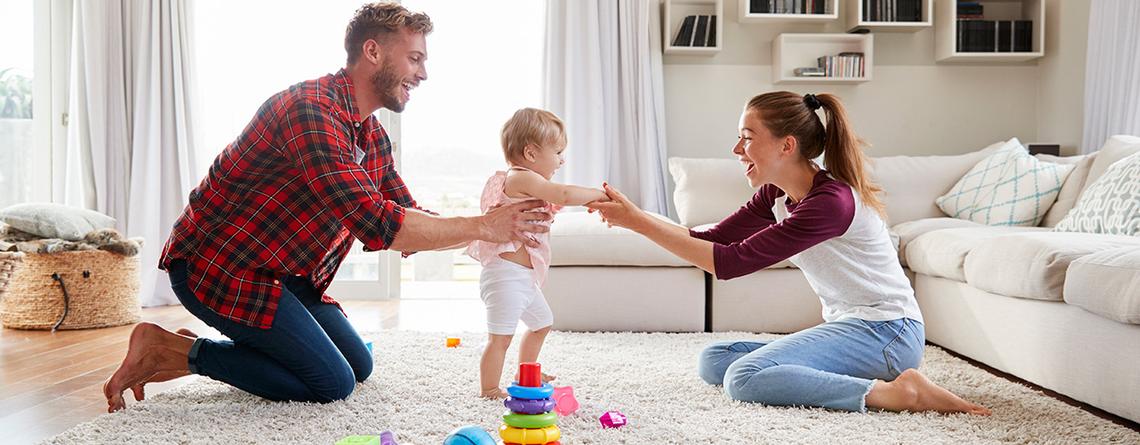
{"x":266,"y":230}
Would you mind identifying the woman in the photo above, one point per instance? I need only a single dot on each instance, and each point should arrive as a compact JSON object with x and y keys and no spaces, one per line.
{"x":830,"y":224}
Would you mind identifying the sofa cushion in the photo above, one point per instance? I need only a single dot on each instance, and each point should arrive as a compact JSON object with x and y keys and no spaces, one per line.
{"x":1107,"y":283}
{"x":582,"y":239}
{"x":908,"y":231}
{"x":1033,"y":265}
{"x":1111,"y":204}
{"x":1008,"y":188}
{"x":912,"y":183}
{"x":1067,"y":199}
{"x":707,"y":190}
{"x":1114,"y":149}
{"x":942,"y":253}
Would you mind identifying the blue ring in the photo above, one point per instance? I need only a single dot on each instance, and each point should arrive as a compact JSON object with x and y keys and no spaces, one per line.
{"x":526,"y":392}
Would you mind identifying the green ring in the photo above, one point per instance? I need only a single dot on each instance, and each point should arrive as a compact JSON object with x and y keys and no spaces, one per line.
{"x":531,"y":420}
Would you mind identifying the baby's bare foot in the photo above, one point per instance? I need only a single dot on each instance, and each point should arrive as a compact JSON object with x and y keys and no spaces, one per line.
{"x":547,"y":378}
{"x":493,"y":393}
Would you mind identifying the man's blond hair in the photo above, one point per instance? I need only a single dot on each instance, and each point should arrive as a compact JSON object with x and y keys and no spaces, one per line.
{"x":379,"y":20}
{"x":531,"y":126}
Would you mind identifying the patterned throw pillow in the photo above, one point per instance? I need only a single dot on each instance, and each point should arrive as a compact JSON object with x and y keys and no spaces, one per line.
{"x":1110,"y":205}
{"x":1008,"y":188}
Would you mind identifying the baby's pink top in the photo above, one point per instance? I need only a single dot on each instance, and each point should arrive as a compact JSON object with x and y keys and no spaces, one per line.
{"x":494,"y":194}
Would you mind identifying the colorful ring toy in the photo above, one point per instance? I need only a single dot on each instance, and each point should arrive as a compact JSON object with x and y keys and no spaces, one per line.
{"x":526,"y":392}
{"x":529,"y":406}
{"x":523,"y":436}
{"x":531,"y":420}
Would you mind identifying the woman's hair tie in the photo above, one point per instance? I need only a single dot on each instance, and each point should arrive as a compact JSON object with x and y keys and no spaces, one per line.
{"x":812,"y":102}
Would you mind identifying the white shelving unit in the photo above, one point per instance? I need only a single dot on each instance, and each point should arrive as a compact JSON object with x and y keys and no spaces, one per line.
{"x":946,"y":30}
{"x":855,"y":20}
{"x":831,"y":12}
{"x":791,"y":51}
{"x":674,"y":15}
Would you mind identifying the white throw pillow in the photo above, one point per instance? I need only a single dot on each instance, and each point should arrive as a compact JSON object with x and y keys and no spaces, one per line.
{"x":55,"y":220}
{"x":1008,"y":188}
{"x":1111,"y":205}
{"x":708,"y":190}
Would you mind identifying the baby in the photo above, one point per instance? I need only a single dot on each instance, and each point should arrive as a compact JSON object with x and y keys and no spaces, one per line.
{"x":510,"y":284}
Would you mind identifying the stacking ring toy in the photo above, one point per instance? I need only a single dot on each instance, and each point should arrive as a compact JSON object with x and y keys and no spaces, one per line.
{"x":526,"y":392}
{"x":529,"y":406}
{"x":523,"y":436}
{"x":531,"y":421}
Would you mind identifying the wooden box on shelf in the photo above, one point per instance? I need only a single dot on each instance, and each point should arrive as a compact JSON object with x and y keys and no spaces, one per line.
{"x":791,"y":51}
{"x":751,"y":11}
{"x":946,"y":42}
{"x":680,"y":35}
{"x":861,"y":16}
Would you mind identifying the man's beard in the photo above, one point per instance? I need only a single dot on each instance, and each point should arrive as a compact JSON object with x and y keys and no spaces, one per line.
{"x":384,"y":82}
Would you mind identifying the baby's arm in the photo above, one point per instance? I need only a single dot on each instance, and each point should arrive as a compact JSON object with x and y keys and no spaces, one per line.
{"x":535,"y":186}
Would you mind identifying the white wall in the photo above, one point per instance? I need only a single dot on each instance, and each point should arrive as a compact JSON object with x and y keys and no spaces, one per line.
{"x":912,"y":106}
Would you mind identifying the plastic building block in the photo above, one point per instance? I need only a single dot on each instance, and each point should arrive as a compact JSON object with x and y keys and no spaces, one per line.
{"x":612,"y":419}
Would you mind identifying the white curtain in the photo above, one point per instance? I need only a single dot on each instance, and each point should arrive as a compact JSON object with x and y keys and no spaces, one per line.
{"x":130,"y":133}
{"x":603,"y":76}
{"x":1112,"y":72}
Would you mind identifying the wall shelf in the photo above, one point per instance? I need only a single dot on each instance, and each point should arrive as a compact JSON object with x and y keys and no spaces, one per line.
{"x":673,"y":17}
{"x":946,"y":30}
{"x":831,"y":12}
{"x":855,"y":20}
{"x":791,"y":51}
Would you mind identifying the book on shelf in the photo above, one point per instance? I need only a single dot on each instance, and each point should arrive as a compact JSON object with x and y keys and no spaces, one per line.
{"x":987,"y":36}
{"x":711,"y":40}
{"x":970,"y":8}
{"x":892,"y":10}
{"x":809,"y":71}
{"x":700,"y":33}
{"x":685,"y":32}
{"x":800,"y":7}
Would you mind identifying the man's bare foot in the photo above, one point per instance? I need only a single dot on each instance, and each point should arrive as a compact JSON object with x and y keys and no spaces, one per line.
{"x":151,"y":350}
{"x":140,"y":392}
{"x":912,"y":391}
{"x":493,"y":393}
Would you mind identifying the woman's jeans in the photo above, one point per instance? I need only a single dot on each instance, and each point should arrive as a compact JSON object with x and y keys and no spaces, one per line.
{"x":310,"y":354}
{"x":832,"y":365}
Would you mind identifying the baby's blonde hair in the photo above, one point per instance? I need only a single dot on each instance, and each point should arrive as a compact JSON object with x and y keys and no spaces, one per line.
{"x":531,"y":126}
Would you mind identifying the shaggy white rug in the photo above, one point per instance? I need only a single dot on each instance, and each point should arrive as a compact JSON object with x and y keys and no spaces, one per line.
{"x":422,"y":390}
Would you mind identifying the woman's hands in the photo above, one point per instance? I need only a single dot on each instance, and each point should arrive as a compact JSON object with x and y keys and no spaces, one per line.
{"x":620,"y":211}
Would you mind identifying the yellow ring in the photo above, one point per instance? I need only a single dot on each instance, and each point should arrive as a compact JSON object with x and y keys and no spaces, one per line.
{"x":533,"y":436}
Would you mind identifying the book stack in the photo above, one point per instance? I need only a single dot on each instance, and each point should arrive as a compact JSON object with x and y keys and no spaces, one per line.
{"x":846,"y":64}
{"x":892,"y":10}
{"x":987,"y":36}
{"x":787,"y":6}
{"x":696,"y":30}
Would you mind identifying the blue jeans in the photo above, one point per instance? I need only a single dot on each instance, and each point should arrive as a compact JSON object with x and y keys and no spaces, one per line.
{"x":310,"y":354}
{"x":832,"y":365}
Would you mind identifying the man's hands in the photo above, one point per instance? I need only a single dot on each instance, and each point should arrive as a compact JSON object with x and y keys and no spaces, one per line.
{"x":512,"y":222}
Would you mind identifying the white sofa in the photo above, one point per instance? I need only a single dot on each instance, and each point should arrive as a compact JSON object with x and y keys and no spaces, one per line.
{"x":1061,"y":310}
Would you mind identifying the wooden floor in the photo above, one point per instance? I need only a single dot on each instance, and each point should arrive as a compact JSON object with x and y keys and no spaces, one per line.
{"x":50,"y":382}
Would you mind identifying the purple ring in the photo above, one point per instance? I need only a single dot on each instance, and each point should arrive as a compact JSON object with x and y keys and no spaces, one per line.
{"x":529,"y":406}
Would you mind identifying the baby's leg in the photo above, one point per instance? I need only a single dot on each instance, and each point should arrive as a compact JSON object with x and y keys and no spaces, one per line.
{"x":491,"y":366}
{"x":536,"y":314}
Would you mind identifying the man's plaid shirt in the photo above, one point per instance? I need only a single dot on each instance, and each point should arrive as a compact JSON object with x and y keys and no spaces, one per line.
{"x":286,"y":198}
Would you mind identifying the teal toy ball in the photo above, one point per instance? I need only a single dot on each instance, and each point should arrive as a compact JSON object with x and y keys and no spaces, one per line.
{"x":469,"y":435}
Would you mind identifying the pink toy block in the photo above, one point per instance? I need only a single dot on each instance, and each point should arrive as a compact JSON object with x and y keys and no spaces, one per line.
{"x":612,"y":419}
{"x":564,"y":399}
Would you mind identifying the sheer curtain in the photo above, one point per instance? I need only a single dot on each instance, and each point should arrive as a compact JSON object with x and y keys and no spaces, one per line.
{"x":1112,"y":72}
{"x":604,"y":77}
{"x":130,"y":132}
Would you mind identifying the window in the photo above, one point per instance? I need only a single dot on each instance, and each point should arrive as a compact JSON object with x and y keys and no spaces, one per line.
{"x":18,"y":144}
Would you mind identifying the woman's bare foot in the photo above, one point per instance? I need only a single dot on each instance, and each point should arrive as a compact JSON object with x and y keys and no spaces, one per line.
{"x":140,"y":392}
{"x":912,"y":391}
{"x":151,"y":350}
{"x":493,"y":393}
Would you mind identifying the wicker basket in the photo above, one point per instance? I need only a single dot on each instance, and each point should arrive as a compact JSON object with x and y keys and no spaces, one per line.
{"x":69,"y":290}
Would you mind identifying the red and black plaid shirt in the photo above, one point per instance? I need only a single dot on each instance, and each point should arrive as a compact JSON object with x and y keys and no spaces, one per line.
{"x":286,"y":198}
